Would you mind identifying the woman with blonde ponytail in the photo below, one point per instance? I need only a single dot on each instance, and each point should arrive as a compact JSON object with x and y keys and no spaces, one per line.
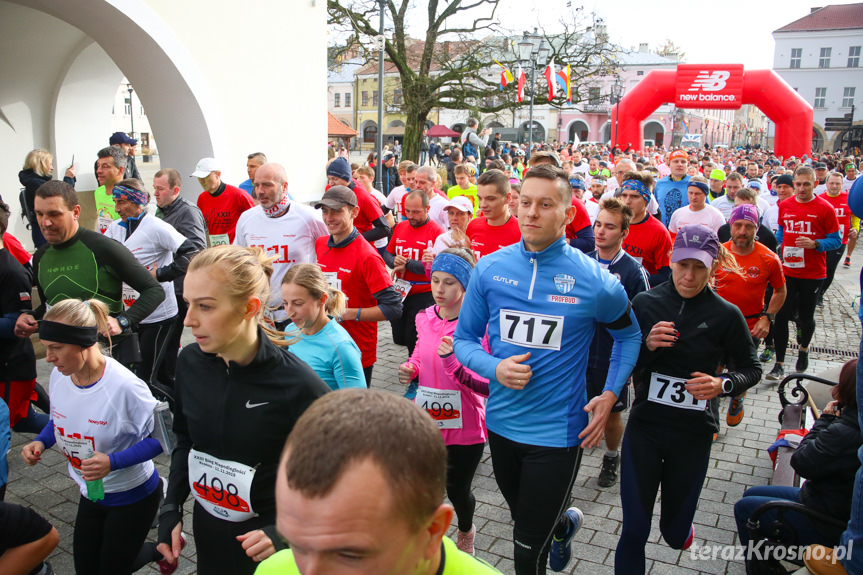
{"x":101,"y":419}
{"x":322,"y":343}
{"x":237,"y":396}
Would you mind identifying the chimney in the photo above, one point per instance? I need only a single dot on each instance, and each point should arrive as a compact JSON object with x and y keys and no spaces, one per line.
{"x":814,"y":9}
{"x":642,"y":47}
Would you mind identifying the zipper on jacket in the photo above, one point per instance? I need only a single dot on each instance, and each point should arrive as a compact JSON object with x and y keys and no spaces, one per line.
{"x":533,"y":278}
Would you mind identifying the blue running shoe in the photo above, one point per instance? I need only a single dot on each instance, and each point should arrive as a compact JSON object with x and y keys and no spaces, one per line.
{"x":411,"y":392}
{"x":561,"y":549}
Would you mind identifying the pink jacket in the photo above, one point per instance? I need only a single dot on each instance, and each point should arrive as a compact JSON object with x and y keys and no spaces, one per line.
{"x":448,"y":374}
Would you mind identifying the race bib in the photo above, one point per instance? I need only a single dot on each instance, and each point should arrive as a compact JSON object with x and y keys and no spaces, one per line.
{"x":531,"y":329}
{"x":130,"y":296}
{"x":793,"y":257}
{"x":103,"y":220}
{"x":75,"y":449}
{"x":403,"y":287}
{"x":671,"y":391}
{"x":219,"y":240}
{"x":333,"y":280}
{"x":842,"y":231}
{"x":222,"y":488}
{"x":444,"y":406}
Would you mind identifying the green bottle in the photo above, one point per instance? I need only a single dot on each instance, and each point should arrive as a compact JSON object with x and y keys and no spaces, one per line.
{"x":95,"y":490}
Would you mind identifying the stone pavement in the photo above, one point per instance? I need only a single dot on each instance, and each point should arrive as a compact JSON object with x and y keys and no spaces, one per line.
{"x":739,"y":460}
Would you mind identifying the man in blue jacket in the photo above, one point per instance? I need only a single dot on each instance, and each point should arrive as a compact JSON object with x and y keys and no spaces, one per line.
{"x":541,"y":300}
{"x":670,"y":191}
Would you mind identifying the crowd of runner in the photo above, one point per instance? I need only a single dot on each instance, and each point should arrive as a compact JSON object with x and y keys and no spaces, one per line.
{"x":539,"y":294}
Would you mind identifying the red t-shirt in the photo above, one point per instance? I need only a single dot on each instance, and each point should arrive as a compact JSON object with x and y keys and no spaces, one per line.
{"x":814,"y":220}
{"x":650,"y":244}
{"x":222,"y":211}
{"x":760,"y":268}
{"x":843,"y":212}
{"x":370,"y":209}
{"x":410,"y":243}
{"x":360,"y":273}
{"x":486,"y":239}
{"x":14,"y":247}
{"x":580,"y":221}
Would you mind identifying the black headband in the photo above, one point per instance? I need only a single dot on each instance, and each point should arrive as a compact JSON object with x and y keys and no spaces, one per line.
{"x":64,"y":333}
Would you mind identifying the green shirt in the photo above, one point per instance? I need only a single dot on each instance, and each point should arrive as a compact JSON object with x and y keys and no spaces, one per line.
{"x":106,"y":211}
{"x":453,"y":562}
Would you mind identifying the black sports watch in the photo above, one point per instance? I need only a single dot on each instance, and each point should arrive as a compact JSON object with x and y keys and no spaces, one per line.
{"x":770,"y":316}
{"x":124,"y":322}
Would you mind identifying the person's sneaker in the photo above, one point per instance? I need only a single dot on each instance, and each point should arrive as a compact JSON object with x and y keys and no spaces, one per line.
{"x":847,"y":263}
{"x":166,"y":568}
{"x":820,"y":560}
{"x":411,"y":392}
{"x":776,"y":373}
{"x":608,"y":472}
{"x":820,"y":301}
{"x":715,"y":437}
{"x":802,"y":361}
{"x":464,"y":541}
{"x":735,"y":411}
{"x":561,"y":549}
{"x":767,"y":355}
{"x":689,"y":539}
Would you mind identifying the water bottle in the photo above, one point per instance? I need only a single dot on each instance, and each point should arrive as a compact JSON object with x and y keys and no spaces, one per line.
{"x":95,"y":491}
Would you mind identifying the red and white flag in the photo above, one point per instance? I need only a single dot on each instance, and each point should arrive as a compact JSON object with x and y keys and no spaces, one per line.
{"x":550,"y":78}
{"x":520,"y":83}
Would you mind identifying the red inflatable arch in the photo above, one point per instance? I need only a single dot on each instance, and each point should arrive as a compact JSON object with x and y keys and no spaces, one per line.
{"x":717,"y":86}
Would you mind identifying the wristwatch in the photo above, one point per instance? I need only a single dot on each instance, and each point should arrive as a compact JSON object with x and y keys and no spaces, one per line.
{"x":770,"y":316}
{"x":817,"y":245}
{"x":124,"y":322}
{"x":727,"y":386}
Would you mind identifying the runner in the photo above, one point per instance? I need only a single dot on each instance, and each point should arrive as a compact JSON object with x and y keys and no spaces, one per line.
{"x":356,"y":269}
{"x":725,"y":202}
{"x":238,"y":395}
{"x":761,"y":269}
{"x":101,"y":417}
{"x":360,"y":502}
{"x":762,"y":234}
{"x":671,"y":190}
{"x":497,"y":228}
{"x":648,"y":240}
{"x":839,"y":200}
{"x":698,"y":212}
{"x":110,"y":169}
{"x":463,"y":186}
{"x":611,"y":228}
{"x":850,"y":176}
{"x":450,"y":393}
{"x":717,"y":186}
{"x":370,"y":220}
{"x":808,"y":228}
{"x":323,"y":344}
{"x":459,"y":211}
{"x":675,"y":414}
{"x":784,"y":188}
{"x":536,"y":438}
{"x":220,"y":203}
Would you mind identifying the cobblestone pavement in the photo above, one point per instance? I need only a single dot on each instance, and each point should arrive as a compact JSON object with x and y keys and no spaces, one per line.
{"x":739,"y":460}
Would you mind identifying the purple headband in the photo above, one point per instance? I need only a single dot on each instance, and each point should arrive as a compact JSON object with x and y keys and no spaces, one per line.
{"x":130,"y":194}
{"x":637,"y":186}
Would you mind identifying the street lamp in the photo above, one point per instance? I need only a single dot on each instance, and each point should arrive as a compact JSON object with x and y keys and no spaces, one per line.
{"x":532,"y":53}
{"x":381,"y":40}
{"x":131,"y":109}
{"x":617,"y":90}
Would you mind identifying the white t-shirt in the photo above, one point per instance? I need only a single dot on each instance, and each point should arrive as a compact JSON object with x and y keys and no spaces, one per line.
{"x":443,"y":242}
{"x":581,"y":168}
{"x":153,"y":243}
{"x":771,"y":218}
{"x":821,"y":188}
{"x":394,"y":200}
{"x":113,"y":414}
{"x":290,"y":237}
{"x":437,"y":210}
{"x":685,"y":216}
{"x":724,"y":205}
{"x":769,"y":198}
{"x":592,"y":209}
{"x":846,"y":183}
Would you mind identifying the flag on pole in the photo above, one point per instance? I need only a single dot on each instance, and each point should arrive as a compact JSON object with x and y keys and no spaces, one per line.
{"x":505,"y":76}
{"x":562,"y":78}
{"x":549,"y":78}
{"x":520,"y":83}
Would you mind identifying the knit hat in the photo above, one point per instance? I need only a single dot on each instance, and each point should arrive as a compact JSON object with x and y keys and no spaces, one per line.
{"x":340,"y":168}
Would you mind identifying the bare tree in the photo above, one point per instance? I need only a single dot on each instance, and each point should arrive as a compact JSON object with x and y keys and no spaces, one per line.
{"x":670,"y":50}
{"x":453,"y":67}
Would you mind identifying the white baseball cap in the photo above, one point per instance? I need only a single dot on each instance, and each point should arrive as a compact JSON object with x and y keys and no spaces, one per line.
{"x":461,"y":203}
{"x":205,"y":166}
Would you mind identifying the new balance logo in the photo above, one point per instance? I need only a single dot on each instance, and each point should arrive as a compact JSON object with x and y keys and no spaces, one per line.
{"x":702,"y":325}
{"x":707,"y":82}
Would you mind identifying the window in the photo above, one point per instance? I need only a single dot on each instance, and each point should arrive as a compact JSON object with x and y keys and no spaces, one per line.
{"x":593,"y":96}
{"x":375,"y":98}
{"x":127,"y":108}
{"x":848,"y":97}
{"x":370,"y":134}
{"x":640,"y":73}
{"x":796,"y":57}
{"x":824,"y":60}
{"x":854,"y":57}
{"x":397,"y":97}
{"x":820,"y":97}
{"x":347,"y":99}
{"x":366,"y":98}
{"x":336,"y":99}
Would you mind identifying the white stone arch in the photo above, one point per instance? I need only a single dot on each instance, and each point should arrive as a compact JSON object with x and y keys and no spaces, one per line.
{"x":366,"y":125}
{"x":654,"y":128}
{"x":575,"y":128}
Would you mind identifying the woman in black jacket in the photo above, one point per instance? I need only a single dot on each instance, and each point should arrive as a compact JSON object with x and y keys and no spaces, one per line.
{"x":827,"y":459}
{"x":38,"y":166}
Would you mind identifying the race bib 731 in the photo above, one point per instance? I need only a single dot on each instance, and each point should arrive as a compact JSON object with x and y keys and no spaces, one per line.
{"x":671,"y":391}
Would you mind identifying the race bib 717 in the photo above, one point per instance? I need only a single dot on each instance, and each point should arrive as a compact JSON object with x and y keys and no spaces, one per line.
{"x":531,"y":329}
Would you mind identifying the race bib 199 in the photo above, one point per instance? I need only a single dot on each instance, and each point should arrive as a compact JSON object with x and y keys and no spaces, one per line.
{"x":531,"y":329}
{"x":222,"y":488}
{"x":671,"y":391}
{"x":793,"y":257}
{"x":219,"y":240}
{"x":444,"y":406}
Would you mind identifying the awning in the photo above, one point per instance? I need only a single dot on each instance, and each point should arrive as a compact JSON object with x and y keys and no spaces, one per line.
{"x":338,"y":129}
{"x":395,"y":131}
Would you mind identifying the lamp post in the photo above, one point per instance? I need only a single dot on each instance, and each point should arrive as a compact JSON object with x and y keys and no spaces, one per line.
{"x":617,"y":90}
{"x":532,"y":53}
{"x":131,"y":109}
{"x":380,"y":143}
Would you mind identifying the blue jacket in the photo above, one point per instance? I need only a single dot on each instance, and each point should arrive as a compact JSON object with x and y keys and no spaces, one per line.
{"x":671,"y":195}
{"x":547,"y":303}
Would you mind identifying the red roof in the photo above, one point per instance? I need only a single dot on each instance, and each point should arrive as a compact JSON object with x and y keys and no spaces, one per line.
{"x":837,"y":17}
{"x":336,"y":127}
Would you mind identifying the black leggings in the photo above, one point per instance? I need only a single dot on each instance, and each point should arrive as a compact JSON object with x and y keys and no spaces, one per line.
{"x":107,"y":539}
{"x":462,"y":461}
{"x":217,"y":548}
{"x":405,"y":327}
{"x":367,"y":373}
{"x":654,"y":456}
{"x":537,"y":485}
{"x":154,"y":338}
{"x":801,"y":297}
{"x":833,"y":259}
